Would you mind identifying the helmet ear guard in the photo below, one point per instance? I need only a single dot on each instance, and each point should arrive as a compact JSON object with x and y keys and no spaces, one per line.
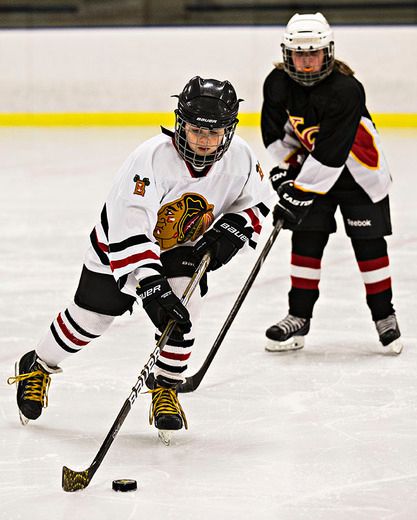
{"x":207,"y":104}
{"x":308,"y":33}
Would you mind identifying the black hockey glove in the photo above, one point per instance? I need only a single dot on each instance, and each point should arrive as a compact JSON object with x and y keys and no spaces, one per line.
{"x":229,"y":234}
{"x":293,"y":204}
{"x":181,"y":261}
{"x":283,"y":173}
{"x":289,"y":169}
{"x":161,"y":304}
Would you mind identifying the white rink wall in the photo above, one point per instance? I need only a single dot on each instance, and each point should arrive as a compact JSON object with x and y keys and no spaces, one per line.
{"x":137,"y":69}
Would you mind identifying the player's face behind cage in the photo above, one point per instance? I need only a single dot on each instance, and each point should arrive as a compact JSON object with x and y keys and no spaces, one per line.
{"x":206,"y":119}
{"x":308,"y":67}
{"x":202,"y":146}
{"x":308,"y":49}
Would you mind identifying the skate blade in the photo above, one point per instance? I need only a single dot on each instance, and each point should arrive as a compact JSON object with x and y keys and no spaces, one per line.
{"x":395,"y":347}
{"x":165,"y":436}
{"x":23,"y":420}
{"x":294,"y":343}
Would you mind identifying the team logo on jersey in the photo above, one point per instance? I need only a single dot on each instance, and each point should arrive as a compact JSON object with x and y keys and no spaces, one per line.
{"x":306,"y":136}
{"x":259,"y":170}
{"x":140,"y":185}
{"x":183,"y":220}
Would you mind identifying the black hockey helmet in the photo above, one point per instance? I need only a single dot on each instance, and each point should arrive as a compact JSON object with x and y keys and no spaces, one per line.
{"x":207,"y":104}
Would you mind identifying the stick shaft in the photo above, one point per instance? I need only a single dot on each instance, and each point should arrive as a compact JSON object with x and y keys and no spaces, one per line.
{"x":192,"y":383}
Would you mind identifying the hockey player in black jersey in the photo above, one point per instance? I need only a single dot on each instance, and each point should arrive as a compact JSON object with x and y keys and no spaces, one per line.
{"x":177,"y":196}
{"x":317,"y":128}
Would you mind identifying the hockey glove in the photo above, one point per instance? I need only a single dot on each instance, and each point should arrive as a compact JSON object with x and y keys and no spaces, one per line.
{"x":293,"y":204}
{"x":161,"y":304}
{"x":288,"y":169}
{"x":282,"y":173}
{"x":229,"y":234}
{"x":181,"y":261}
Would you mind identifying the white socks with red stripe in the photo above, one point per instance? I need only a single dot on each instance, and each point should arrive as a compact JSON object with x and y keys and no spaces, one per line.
{"x":70,"y":331}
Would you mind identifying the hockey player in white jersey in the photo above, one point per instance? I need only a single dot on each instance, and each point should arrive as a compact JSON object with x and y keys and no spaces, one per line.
{"x":177,"y":196}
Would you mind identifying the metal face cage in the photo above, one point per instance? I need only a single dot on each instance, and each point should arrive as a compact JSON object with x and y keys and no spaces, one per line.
{"x":306,"y":78}
{"x":195,"y":143}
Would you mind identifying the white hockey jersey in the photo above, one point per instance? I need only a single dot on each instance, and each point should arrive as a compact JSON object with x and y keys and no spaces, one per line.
{"x":158,"y":201}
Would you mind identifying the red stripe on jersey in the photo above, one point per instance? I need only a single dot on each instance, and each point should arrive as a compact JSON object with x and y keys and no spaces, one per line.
{"x":304,"y":283}
{"x":305,"y":261}
{"x":68,"y":334}
{"x":378,"y":287}
{"x":103,"y":247}
{"x":117,"y":264}
{"x":254,"y":220}
{"x":372,"y":265}
{"x":364,"y":147}
{"x":178,"y":357}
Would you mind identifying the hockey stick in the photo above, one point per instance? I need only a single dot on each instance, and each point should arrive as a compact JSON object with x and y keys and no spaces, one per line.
{"x":76,"y":480}
{"x":192,"y":383}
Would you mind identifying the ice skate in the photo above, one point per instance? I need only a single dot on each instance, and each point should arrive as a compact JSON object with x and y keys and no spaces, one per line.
{"x":389,"y":334}
{"x":32,"y":380}
{"x":166,"y":411}
{"x":287,"y":334}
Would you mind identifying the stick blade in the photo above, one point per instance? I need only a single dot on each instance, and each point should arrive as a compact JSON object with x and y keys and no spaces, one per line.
{"x":75,"y":480}
{"x":187,"y":386}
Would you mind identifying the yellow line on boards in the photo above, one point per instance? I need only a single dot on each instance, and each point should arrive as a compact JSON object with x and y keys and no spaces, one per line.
{"x":159,"y":118}
{"x":395,"y":120}
{"x":88,"y":119}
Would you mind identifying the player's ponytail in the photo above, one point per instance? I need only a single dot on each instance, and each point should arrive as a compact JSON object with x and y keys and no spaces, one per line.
{"x":343,"y":68}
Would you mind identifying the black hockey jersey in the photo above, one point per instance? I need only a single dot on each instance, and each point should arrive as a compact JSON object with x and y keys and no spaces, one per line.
{"x":332,"y":125}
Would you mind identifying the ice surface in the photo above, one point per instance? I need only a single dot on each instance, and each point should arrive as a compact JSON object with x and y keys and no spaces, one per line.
{"x":326,"y":433}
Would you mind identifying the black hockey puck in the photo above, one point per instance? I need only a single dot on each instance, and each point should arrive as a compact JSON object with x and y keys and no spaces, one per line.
{"x":125,"y":484}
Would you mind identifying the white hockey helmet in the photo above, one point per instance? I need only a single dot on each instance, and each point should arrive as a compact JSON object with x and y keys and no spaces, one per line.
{"x":307,"y":33}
